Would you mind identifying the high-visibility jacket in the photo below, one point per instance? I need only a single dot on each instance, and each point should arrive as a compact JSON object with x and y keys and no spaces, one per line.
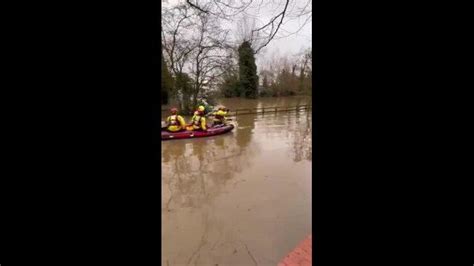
{"x":219,"y":117}
{"x":175,"y":123}
{"x":198,"y":122}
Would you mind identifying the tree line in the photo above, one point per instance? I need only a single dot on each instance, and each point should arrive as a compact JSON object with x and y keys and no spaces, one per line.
{"x":200,"y":58}
{"x":280,"y":76}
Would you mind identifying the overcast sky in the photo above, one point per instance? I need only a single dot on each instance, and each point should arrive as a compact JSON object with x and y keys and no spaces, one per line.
{"x":298,"y":28}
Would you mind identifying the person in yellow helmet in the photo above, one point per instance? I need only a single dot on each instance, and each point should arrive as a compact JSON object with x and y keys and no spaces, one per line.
{"x":200,"y":109}
{"x":219,"y":116}
{"x":175,"y":122}
{"x":198,"y":121}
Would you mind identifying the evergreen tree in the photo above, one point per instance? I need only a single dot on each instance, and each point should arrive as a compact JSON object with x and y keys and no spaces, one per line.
{"x":248,"y":71}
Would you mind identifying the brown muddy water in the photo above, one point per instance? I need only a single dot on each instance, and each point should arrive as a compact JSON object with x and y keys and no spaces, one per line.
{"x":242,"y":198}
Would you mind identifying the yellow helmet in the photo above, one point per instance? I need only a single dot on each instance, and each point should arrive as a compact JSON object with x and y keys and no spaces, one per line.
{"x":201,"y":108}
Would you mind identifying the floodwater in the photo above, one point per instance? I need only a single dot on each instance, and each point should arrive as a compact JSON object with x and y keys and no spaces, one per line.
{"x":242,"y":198}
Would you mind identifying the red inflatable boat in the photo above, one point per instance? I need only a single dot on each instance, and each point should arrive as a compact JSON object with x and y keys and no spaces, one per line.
{"x":211,"y":131}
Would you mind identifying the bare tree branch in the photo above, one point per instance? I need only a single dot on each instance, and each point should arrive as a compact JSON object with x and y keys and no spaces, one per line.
{"x":282,"y":14}
{"x":298,"y":30}
{"x":221,"y":8}
{"x":196,"y":7}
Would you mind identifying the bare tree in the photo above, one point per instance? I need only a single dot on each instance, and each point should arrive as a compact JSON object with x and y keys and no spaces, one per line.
{"x":195,"y":46}
{"x":176,"y":23}
{"x":177,"y":48}
{"x":288,"y":74}
{"x":264,"y":34}
{"x":221,"y":8}
{"x":209,"y":54}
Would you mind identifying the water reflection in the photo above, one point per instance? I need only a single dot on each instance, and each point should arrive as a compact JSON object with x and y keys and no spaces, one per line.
{"x":302,"y":141}
{"x":195,"y":171}
{"x":228,"y":195}
{"x":244,"y":130}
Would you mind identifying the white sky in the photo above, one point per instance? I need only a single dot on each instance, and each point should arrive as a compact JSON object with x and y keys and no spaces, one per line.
{"x":287,"y":46}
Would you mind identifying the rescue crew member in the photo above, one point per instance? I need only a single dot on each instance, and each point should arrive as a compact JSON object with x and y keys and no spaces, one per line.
{"x":175,"y":122}
{"x":200,"y":108}
{"x":219,"y":116}
{"x":198,"y":121}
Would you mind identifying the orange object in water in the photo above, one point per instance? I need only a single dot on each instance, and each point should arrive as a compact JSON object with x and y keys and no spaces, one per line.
{"x":300,"y":256}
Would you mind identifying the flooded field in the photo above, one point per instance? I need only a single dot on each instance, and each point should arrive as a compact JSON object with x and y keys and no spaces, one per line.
{"x":242,"y":198}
